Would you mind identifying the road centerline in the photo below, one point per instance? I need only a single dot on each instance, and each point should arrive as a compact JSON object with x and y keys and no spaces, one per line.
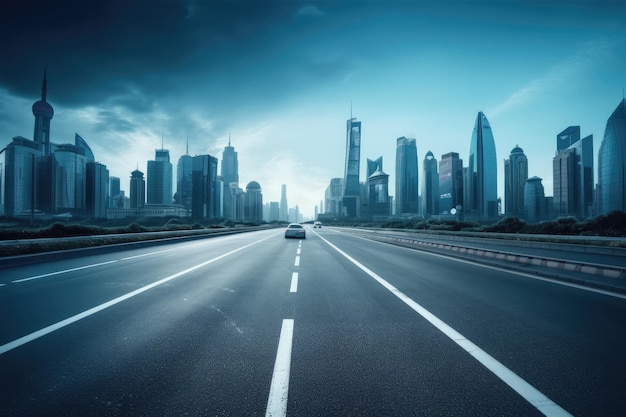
{"x":294,"y":282}
{"x":536,"y":398}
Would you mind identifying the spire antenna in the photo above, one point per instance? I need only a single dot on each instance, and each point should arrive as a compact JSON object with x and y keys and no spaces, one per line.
{"x":44,"y":84}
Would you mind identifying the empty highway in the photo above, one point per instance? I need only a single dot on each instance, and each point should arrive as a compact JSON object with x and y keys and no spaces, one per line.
{"x":254,"y":324}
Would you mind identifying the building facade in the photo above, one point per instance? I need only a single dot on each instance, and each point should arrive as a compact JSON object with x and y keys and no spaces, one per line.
{"x":534,"y":200}
{"x":230,"y":174}
{"x":515,"y":176}
{"x":159,"y":183}
{"x":183,"y":181}
{"x":253,"y":203}
{"x":450,"y":183}
{"x":430,"y":186}
{"x":482,"y":172}
{"x":612,"y":163}
{"x":352,"y":185}
{"x":204,"y":187}
{"x":137,"y":190}
{"x":407,"y":178}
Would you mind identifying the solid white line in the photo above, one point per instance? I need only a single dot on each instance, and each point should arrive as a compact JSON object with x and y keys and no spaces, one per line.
{"x":294,"y":282}
{"x":519,"y":385}
{"x":297,"y":263}
{"x":279,"y":389}
{"x":61,"y":272}
{"x":56,"y":326}
{"x":156,"y":252}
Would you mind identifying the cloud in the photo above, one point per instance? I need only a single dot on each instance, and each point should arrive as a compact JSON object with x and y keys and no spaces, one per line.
{"x":568,"y":73}
{"x":308,"y":10}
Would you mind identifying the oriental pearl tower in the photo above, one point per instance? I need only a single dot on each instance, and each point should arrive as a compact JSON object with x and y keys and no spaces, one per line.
{"x":43,"y":112}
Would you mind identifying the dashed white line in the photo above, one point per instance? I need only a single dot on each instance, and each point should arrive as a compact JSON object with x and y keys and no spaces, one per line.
{"x":62,"y":272}
{"x":540,"y":401}
{"x":298,"y":251}
{"x":63,"y":323}
{"x":279,"y":388}
{"x":294,"y":282}
{"x":297,"y":262}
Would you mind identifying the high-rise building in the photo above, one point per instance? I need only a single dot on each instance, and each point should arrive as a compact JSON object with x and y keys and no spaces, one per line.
{"x":572,"y":171}
{"x":515,"y":176}
{"x":137,"y":190}
{"x":450,"y":183}
{"x":274,"y":212}
{"x":114,"y":187}
{"x":159,"y":190}
{"x":430,"y":186}
{"x":253,"y":202}
{"x":97,"y":189}
{"x":333,"y":196}
{"x":204,"y":201}
{"x":483,"y":172}
{"x":612,"y":163}
{"x":183,"y":180}
{"x":352,"y":186}
{"x":406,"y":177}
{"x":534,"y":200}
{"x":284,"y":209}
{"x":378,"y":184}
{"x":230,"y":174}
{"x":20,"y":182}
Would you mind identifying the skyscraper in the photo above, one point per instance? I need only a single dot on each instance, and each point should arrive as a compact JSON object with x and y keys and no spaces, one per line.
{"x":378,"y":184}
{"x":183,"y":180}
{"x":204,"y":201}
{"x":284,"y":209}
{"x":97,"y":190}
{"x":253,"y":202}
{"x":137,"y":190}
{"x":534,"y":200}
{"x":612,"y":163}
{"x":430,"y":186}
{"x":20,"y":176}
{"x":230,"y":174}
{"x":406,"y":177}
{"x":352,"y":186}
{"x":515,"y":176}
{"x":450,"y":182}
{"x":159,"y":189}
{"x":572,"y":171}
{"x":333,"y":197}
{"x":482,"y":172}
{"x":114,"y":187}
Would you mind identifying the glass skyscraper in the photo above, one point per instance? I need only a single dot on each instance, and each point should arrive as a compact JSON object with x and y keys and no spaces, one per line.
{"x":230,"y":175}
{"x":160,"y":178}
{"x":204,"y":202}
{"x":515,"y":176}
{"x":450,"y":183}
{"x":612,"y":163}
{"x":352,"y":186}
{"x":137,"y":190}
{"x":406,"y":177}
{"x":572,"y":171}
{"x":534,"y":200}
{"x":483,"y":172}
{"x":430,"y":186}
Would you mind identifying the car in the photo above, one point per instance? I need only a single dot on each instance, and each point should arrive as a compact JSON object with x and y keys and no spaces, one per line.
{"x":295,"y":230}
{"x":317,"y":224}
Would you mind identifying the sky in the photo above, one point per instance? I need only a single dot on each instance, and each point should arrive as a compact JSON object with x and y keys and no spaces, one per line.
{"x":280,"y":78}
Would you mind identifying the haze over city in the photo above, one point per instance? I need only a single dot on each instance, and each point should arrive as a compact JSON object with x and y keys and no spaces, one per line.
{"x":281,"y":78}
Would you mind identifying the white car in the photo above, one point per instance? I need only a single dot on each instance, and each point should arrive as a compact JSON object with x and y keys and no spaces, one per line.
{"x":317,"y":224}
{"x":295,"y":230}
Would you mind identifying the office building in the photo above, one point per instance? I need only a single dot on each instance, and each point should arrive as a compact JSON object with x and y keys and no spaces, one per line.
{"x":230,"y":174}
{"x":159,"y":183}
{"x":430,"y":186}
{"x":183,"y":180}
{"x":114,"y":189}
{"x":378,"y":184}
{"x":204,"y":200}
{"x":20,"y":176}
{"x":534,"y":200}
{"x":612,"y":163}
{"x":515,"y":176}
{"x":450,"y":183}
{"x":572,"y":172}
{"x":97,"y":190}
{"x":253,"y":203}
{"x":352,"y":185}
{"x":482,"y":172}
{"x":284,"y":209}
{"x":137,"y":190}
{"x":407,"y":198}
{"x":333,"y":197}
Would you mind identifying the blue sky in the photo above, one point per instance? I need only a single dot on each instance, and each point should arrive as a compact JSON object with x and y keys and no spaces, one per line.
{"x":281,"y":76}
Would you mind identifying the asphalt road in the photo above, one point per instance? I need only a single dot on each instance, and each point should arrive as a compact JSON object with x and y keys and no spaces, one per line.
{"x":255,"y":324}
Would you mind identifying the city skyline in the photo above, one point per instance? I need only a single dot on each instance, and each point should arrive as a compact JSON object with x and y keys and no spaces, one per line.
{"x":281,"y":77}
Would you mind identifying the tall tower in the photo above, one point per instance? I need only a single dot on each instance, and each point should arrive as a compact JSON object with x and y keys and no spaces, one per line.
{"x":284,"y":210}
{"x":183,"y":179}
{"x":160,"y":178}
{"x":534,"y":199}
{"x":205,"y":201}
{"x":572,"y":171}
{"x":406,"y":177}
{"x":515,"y":176}
{"x":482,"y":172}
{"x":43,"y":112}
{"x":352,"y":186}
{"x":430,"y":186}
{"x":450,"y":183}
{"x":137,"y":190}
{"x":612,"y":163}
{"x":230,"y":175}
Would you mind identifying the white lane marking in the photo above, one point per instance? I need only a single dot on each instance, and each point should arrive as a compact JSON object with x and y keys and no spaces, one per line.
{"x":540,"y":401}
{"x":297,"y":263}
{"x":63,"y":323}
{"x":279,"y":389}
{"x":62,"y":272}
{"x":155,"y":253}
{"x":510,"y":271}
{"x":294,"y":282}
{"x":298,"y":251}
